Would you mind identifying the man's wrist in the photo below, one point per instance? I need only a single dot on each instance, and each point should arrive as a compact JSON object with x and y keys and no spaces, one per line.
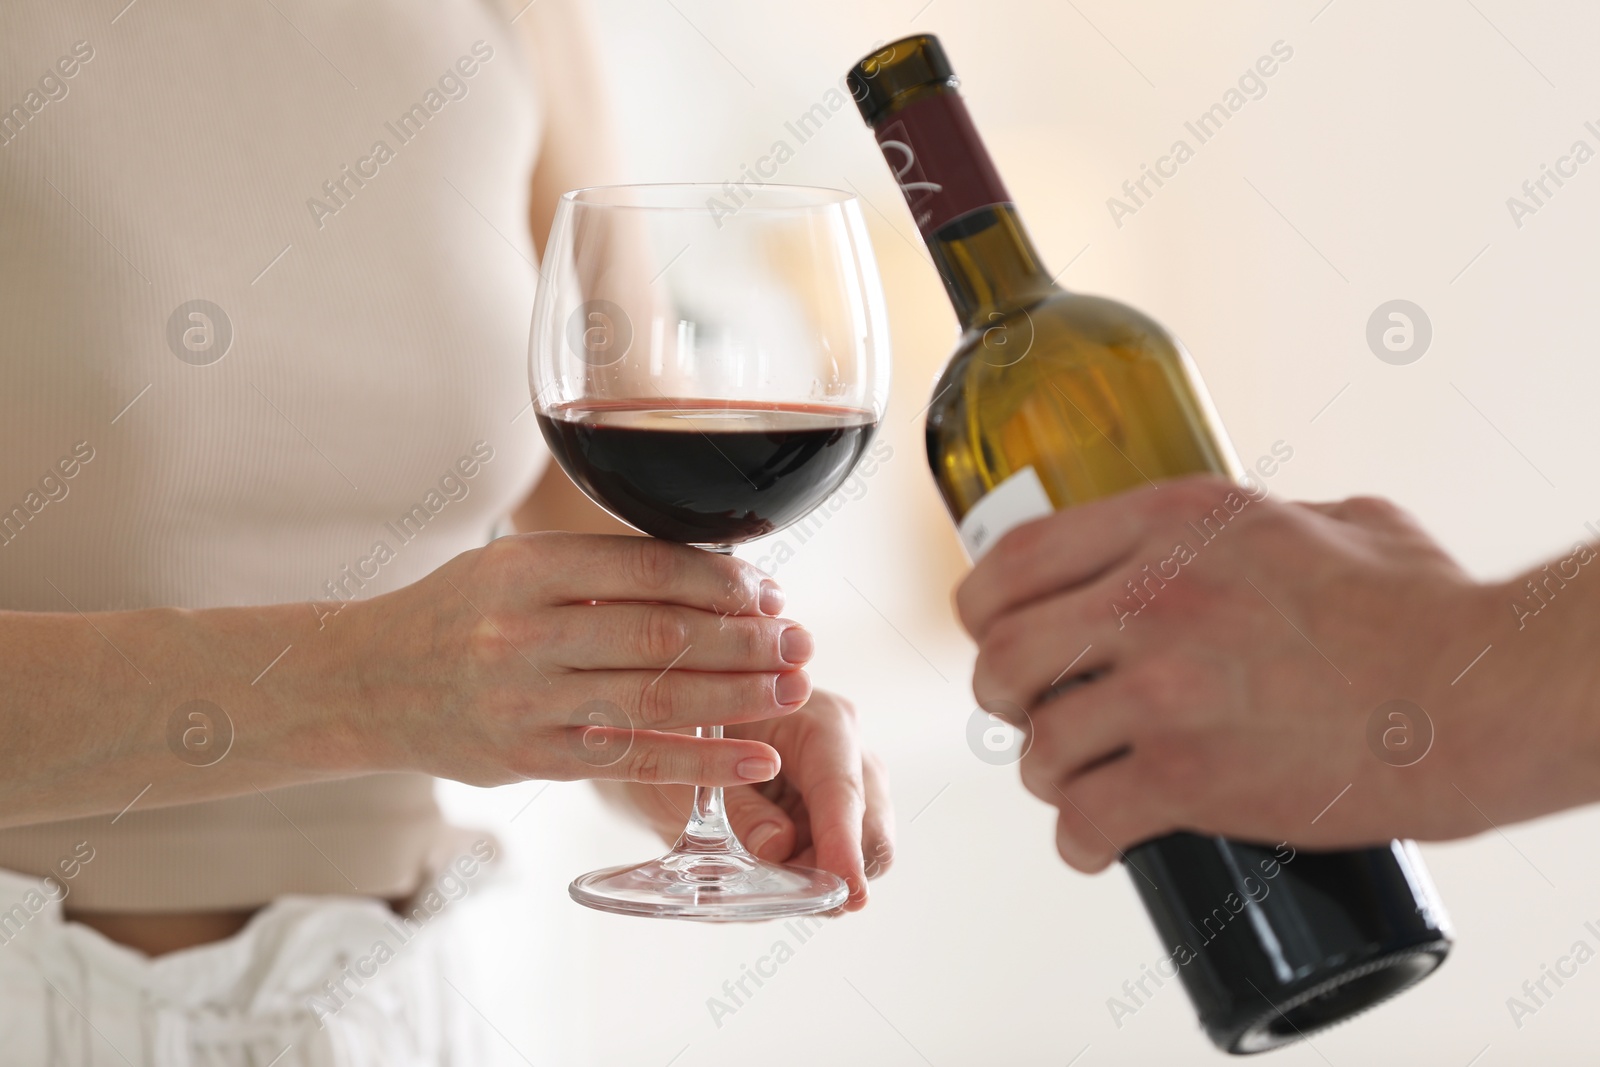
{"x":1547,"y":678}
{"x":1569,"y":671}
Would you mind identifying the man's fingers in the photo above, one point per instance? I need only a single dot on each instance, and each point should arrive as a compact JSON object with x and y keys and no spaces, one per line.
{"x":1049,"y":643}
{"x":1106,"y":812}
{"x":1079,"y":727}
{"x":1078,"y":544}
{"x":623,"y":755}
{"x":1067,"y":548}
{"x":577,"y":568}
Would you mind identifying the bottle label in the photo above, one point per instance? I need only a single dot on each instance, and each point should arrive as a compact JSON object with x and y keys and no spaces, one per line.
{"x":1018,"y":499}
{"x":939,"y":161}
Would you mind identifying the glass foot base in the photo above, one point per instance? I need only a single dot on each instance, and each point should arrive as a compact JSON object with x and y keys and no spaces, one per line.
{"x":710,"y":887}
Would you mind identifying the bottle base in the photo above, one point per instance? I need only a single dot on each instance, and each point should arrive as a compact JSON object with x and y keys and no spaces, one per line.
{"x":1304,"y":1012}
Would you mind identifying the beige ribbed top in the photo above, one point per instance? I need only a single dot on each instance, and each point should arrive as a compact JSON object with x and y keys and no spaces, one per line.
{"x":345,"y":183}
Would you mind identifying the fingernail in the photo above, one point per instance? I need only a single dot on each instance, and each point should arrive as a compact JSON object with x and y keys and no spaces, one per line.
{"x":756,"y":769}
{"x":792,"y":688}
{"x":762,"y":835}
{"x":796,"y":645}
{"x":771,"y":598}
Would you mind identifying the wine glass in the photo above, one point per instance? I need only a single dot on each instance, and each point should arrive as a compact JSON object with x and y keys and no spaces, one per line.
{"x":708,"y":363}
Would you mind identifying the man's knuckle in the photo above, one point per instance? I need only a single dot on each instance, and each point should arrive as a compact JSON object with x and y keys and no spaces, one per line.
{"x":1271,"y":519}
{"x":1189,"y":499}
{"x":1002,"y":645}
{"x":1208,"y":487}
{"x":1366,"y":509}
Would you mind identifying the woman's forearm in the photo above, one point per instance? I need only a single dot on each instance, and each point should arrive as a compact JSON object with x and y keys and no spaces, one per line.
{"x":479,"y":671}
{"x":198,"y":705}
{"x":169,"y":706}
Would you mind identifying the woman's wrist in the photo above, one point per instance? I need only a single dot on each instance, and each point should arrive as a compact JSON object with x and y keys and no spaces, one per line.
{"x":282,"y":680}
{"x":348,"y":724}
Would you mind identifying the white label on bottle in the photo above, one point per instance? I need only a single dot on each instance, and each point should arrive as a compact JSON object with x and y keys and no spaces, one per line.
{"x":1013,"y":502}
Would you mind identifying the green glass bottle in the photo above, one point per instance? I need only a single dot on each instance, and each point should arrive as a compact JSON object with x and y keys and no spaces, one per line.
{"x":1055,"y":398}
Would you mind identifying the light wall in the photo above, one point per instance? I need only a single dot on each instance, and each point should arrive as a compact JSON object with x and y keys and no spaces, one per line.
{"x":1376,"y":166}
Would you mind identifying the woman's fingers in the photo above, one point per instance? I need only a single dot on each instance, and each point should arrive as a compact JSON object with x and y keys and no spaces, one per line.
{"x":678,"y":699}
{"x":621,"y":636}
{"x":877,"y":825}
{"x":827,"y":773}
{"x":666,"y":758}
{"x":578,"y":568}
{"x":761,"y":825}
{"x":490,"y":666}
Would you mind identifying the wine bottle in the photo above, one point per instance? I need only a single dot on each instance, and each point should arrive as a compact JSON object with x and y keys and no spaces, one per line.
{"x":1054,"y":398}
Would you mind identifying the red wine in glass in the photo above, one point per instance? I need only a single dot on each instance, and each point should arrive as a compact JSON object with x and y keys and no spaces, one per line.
{"x":707,"y":472}
{"x":708,"y":377}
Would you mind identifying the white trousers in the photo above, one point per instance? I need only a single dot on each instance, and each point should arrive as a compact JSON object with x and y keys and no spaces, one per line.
{"x":309,"y":982}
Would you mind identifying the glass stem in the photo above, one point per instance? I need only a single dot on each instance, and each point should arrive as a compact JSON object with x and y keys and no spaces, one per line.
{"x":709,"y":829}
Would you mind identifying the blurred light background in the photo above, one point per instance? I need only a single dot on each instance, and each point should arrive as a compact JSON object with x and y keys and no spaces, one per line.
{"x":1376,"y":166}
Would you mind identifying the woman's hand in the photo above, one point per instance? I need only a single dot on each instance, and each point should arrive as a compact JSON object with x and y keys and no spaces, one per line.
{"x":829,"y":808}
{"x":546,"y":656}
{"x":1187,"y":657}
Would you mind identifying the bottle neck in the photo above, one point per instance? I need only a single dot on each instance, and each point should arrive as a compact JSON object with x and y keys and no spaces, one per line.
{"x":982,"y":253}
{"x":988,"y":265}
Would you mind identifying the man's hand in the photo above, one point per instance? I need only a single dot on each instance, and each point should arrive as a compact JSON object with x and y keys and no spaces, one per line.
{"x":1230,"y":662}
{"x":827,"y":808}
